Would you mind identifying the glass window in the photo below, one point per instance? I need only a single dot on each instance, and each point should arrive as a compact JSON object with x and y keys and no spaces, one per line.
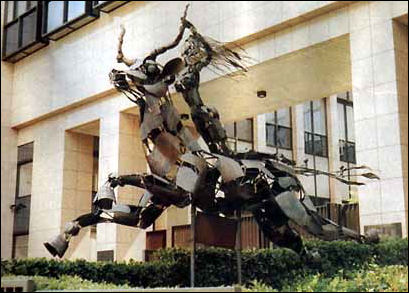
{"x":278,"y":129}
{"x":22,"y":215}
{"x":12,"y":38}
{"x":270,"y":118}
{"x":240,"y":135}
{"x":307,"y":117}
{"x":55,"y":17}
{"x":229,"y":130}
{"x":284,"y":117}
{"x":20,"y":246}
{"x":319,"y":117}
{"x":75,"y":9}
{"x":315,"y":136}
{"x":10,"y":10}
{"x":350,"y":123}
{"x":24,"y":179}
{"x":284,"y":137}
{"x":271,"y":134}
{"x":346,"y":128}
{"x":21,"y":7}
{"x":244,"y":130}
{"x":341,"y":121}
{"x":29,"y":28}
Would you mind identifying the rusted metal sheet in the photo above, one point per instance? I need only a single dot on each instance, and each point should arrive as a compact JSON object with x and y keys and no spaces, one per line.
{"x":216,"y":231}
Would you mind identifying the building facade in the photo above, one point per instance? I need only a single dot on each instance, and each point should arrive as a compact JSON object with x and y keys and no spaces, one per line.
{"x":335,"y":74}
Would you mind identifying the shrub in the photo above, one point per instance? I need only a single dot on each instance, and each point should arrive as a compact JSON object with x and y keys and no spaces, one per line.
{"x":371,"y":279}
{"x":216,"y":267}
{"x":67,"y":282}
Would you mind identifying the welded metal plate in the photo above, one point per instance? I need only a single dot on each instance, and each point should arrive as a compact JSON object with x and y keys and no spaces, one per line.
{"x":229,"y":168}
{"x":308,"y":203}
{"x":292,"y":207}
{"x":186,"y":178}
{"x":158,"y":89}
{"x":188,"y":140}
{"x":150,"y":122}
{"x":158,"y":163}
{"x":196,"y":161}
{"x":170,"y":116}
{"x":169,"y":145}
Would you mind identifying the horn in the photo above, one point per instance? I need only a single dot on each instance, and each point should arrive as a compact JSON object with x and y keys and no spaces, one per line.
{"x":57,"y":246}
{"x":120,"y":58}
{"x":105,"y":197}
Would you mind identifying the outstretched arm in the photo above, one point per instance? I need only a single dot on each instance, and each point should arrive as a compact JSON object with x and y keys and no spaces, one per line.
{"x":161,"y":50}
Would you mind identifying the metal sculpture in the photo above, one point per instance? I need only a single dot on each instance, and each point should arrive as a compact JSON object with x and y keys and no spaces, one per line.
{"x":213,"y":177}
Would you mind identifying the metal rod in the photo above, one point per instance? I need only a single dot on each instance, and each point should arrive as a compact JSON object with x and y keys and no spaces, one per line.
{"x":238,"y":246}
{"x":193,"y":248}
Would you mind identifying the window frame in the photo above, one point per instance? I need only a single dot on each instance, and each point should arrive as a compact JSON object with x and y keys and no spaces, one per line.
{"x":67,"y":26}
{"x":17,"y":197}
{"x":346,"y":103}
{"x":22,"y":51}
{"x":312,"y":132}
{"x":275,"y":125}
{"x":235,"y":140}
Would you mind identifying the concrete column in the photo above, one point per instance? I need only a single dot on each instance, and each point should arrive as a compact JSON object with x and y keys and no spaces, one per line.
{"x":121,"y":153}
{"x":400,"y":36}
{"x":47,"y":186}
{"x":108,"y":163}
{"x":77,"y":190}
{"x":377,"y":114}
{"x":131,"y":241}
{"x":8,"y":155}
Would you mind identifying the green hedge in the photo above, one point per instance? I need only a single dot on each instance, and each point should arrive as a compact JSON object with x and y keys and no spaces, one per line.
{"x":215,"y":267}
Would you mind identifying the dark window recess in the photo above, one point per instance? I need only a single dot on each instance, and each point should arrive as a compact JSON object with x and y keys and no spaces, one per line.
{"x":64,"y":17}
{"x":22,"y":30}
{"x":315,"y":144}
{"x":346,"y":128}
{"x":22,"y":215}
{"x":347,"y":151}
{"x":240,"y":135}
{"x":107,"y":6}
{"x":105,"y":255}
{"x":22,"y":201}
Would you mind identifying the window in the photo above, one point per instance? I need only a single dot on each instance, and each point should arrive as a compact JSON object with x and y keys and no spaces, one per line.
{"x":346,"y":128}
{"x":22,"y":202}
{"x":278,"y":129}
{"x":105,"y":255}
{"x":240,"y":135}
{"x":64,"y":17}
{"x":315,"y":136}
{"x":95,"y":169}
{"x":21,"y":30}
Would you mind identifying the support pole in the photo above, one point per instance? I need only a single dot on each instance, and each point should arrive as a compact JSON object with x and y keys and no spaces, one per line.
{"x":193,"y":248}
{"x":238,"y":246}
